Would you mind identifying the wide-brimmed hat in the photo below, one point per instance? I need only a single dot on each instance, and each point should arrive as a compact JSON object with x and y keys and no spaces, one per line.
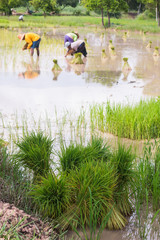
{"x":67,"y":44}
{"x":20,"y":36}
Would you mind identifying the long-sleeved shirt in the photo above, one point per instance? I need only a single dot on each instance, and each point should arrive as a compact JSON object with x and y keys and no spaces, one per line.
{"x":76,"y":44}
{"x":30,"y":38}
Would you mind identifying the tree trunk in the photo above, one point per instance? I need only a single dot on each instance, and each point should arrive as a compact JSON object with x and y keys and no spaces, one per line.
{"x":102,"y":17}
{"x":109,"y":23}
{"x":158,"y":10}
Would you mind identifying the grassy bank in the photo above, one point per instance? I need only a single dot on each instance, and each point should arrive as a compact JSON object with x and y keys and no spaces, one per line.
{"x":149,"y":25}
{"x":140,"y":121}
{"x":92,"y":186}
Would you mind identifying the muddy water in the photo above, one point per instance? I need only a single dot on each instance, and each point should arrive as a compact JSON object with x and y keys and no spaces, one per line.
{"x":29,"y":84}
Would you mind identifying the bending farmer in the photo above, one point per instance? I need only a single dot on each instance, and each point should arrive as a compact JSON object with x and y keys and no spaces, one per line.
{"x":71,"y":37}
{"x":33,"y":41}
{"x":75,"y":47}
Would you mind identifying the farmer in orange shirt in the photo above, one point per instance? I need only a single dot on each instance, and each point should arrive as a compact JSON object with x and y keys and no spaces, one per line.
{"x":32,"y":41}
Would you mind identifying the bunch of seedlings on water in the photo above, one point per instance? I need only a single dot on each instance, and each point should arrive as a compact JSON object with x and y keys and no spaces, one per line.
{"x":100,"y":177}
{"x":156,"y":52}
{"x":125,"y":36}
{"x":77,"y":59}
{"x":51,"y":195}
{"x":34,"y":152}
{"x":110,"y":44}
{"x":89,"y":229}
{"x":102,"y":37}
{"x":123,"y":159}
{"x":149,"y":45}
{"x":56,"y":67}
{"x":112,"y":51}
{"x":126,"y":66}
{"x":104,"y":55}
{"x":86,"y":42}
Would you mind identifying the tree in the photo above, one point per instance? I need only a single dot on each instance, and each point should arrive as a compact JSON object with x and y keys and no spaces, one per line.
{"x":6,"y":5}
{"x":111,"y":6}
{"x":45,"y":5}
{"x":153,"y":4}
{"x":72,"y":3}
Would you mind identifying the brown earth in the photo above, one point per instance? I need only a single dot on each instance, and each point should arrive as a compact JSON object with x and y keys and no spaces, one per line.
{"x":30,"y":227}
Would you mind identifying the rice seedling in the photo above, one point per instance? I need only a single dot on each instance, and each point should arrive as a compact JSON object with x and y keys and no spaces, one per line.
{"x":149,"y":45}
{"x":51,"y":195}
{"x":123,"y":161}
{"x":156,"y":52}
{"x":77,"y":59}
{"x":75,"y":154}
{"x":14,"y":182}
{"x":35,"y":153}
{"x":101,"y":179}
{"x":145,"y":223}
{"x":104,"y":55}
{"x":56,"y":67}
{"x":89,"y":230}
{"x":126,"y":66}
{"x":135,"y":122}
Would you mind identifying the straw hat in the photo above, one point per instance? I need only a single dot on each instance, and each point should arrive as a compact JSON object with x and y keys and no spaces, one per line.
{"x":21,"y":36}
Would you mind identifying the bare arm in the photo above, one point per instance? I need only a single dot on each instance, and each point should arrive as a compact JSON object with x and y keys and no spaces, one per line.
{"x":70,"y":52}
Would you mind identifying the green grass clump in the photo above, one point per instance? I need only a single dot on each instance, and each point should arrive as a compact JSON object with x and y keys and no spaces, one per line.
{"x":141,"y":121}
{"x":51,"y":195}
{"x":123,"y":160}
{"x":101,"y":179}
{"x":75,"y":154}
{"x":34,"y":152}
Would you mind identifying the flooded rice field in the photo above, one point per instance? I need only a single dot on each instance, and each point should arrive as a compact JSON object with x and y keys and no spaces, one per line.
{"x":27,"y":84}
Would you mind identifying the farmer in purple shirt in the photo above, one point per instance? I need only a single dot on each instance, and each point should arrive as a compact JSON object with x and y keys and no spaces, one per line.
{"x":71,"y":37}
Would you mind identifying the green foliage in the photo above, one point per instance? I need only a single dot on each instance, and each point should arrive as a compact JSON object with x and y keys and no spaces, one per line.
{"x":51,"y":195}
{"x":110,"y":6}
{"x":72,"y":3}
{"x":89,"y":229}
{"x":123,"y":161}
{"x":6,"y":5}
{"x":147,"y":14}
{"x":77,"y":59}
{"x":35,"y":153}
{"x":75,"y":154}
{"x":101,"y":179}
{"x":56,"y":67}
{"x":14,"y":181}
{"x":135,"y":122}
{"x":45,"y":5}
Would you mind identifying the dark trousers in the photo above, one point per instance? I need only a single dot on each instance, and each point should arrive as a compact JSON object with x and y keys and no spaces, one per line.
{"x":82,"y":49}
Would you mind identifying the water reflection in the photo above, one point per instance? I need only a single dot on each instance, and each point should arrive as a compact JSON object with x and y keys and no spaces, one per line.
{"x":78,"y":69}
{"x":32,"y":69}
{"x":107,"y":78}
